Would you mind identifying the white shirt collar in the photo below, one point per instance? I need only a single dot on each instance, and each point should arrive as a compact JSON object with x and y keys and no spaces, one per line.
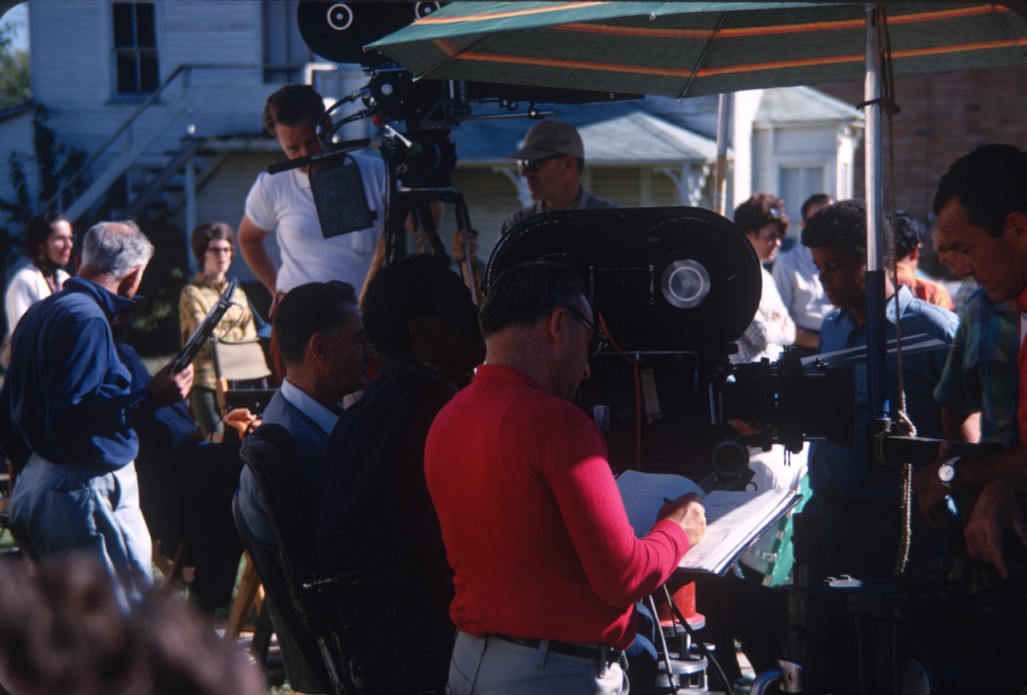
{"x":299,"y":398}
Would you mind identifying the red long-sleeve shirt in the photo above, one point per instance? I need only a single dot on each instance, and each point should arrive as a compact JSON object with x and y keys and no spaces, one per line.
{"x":533,"y":523}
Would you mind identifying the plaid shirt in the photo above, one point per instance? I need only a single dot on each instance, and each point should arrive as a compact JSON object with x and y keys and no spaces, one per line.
{"x":237,"y":324}
{"x":771,"y":330}
{"x":980,"y":374}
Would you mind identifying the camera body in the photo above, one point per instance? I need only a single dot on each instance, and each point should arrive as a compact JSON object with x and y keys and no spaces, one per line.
{"x":673,"y":288}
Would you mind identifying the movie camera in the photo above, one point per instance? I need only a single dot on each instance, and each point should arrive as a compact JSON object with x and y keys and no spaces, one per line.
{"x":339,"y":31}
{"x":673,"y":288}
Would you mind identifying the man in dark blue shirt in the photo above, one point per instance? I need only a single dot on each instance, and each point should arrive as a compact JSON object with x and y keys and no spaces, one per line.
{"x":376,"y":521}
{"x":67,"y":410}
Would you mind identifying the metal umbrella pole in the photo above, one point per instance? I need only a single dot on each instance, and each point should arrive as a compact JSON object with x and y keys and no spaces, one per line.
{"x":877,"y":375}
{"x":725,"y":117}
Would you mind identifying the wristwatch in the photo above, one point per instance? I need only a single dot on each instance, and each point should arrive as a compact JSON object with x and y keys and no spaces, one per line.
{"x":947,"y":472}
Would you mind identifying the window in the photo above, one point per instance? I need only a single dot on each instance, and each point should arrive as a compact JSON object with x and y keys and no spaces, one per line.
{"x":135,"y":48}
{"x":796,"y":184}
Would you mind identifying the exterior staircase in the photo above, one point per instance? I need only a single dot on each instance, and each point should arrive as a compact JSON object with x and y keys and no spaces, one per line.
{"x":143,"y":166}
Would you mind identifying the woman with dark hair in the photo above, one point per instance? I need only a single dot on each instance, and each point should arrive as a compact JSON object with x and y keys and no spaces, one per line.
{"x":213,"y":244}
{"x":48,"y":244}
{"x":763,"y":221}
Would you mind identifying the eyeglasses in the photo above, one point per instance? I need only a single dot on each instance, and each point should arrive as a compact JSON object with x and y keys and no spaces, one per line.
{"x":534,"y":165}
{"x":219,"y":249}
{"x":599,"y":341}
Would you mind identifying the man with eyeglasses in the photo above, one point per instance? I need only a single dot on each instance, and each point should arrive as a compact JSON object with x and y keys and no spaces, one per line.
{"x":551,"y":161}
{"x":546,"y":566}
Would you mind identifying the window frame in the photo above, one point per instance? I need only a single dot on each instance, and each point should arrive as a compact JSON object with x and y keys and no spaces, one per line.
{"x":133,"y":59}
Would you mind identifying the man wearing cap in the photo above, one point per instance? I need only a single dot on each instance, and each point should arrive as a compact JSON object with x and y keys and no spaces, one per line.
{"x":551,"y":161}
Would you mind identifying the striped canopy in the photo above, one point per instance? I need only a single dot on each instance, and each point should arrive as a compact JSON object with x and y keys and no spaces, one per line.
{"x":691,"y":48}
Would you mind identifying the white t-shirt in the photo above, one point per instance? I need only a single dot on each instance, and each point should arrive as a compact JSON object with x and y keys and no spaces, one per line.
{"x":27,"y":287}
{"x":284,"y":203}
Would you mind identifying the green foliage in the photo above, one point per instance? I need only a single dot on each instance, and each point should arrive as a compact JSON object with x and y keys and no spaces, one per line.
{"x":20,"y":210}
{"x":15,"y":87}
{"x":44,"y":141}
{"x":55,"y":163}
{"x":160,"y":310}
{"x":155,"y":329}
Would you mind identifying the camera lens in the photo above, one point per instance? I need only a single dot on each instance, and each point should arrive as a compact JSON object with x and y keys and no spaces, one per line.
{"x":685,"y":283}
{"x":730,"y":458}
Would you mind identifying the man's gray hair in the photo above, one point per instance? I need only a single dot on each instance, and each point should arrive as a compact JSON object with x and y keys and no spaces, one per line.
{"x":115,"y":248}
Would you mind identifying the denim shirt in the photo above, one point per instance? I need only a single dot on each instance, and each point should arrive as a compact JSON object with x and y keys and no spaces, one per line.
{"x":836,"y":472}
{"x":66,"y":395}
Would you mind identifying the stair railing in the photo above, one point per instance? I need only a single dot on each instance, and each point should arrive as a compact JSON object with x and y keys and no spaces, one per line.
{"x":184,"y":69}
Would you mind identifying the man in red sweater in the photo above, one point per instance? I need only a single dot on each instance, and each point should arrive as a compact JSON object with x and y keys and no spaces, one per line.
{"x":546,"y":566}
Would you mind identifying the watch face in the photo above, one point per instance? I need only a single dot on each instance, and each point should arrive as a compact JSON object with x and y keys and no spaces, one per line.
{"x":946,"y":472}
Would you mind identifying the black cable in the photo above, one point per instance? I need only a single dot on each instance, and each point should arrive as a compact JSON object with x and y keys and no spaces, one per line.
{"x":676,"y":613}
{"x":671,"y":676}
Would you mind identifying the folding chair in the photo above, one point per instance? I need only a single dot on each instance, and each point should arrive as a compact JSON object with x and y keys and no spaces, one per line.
{"x":303,"y":593}
{"x":242,"y":375}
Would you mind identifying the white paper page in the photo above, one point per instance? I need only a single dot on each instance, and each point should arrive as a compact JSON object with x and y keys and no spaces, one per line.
{"x":643,"y":495}
{"x":733,"y":521}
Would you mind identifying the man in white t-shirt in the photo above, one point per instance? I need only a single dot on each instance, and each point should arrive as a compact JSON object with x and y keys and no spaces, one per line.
{"x":283,"y":203}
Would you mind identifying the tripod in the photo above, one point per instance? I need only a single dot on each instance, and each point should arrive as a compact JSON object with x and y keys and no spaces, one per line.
{"x":415,"y":205}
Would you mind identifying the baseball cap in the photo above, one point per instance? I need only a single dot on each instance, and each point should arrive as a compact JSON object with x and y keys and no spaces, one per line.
{"x":550,"y":137}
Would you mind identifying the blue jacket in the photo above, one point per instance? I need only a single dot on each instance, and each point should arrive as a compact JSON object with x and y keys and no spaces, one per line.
{"x":66,"y":395}
{"x":159,"y":429}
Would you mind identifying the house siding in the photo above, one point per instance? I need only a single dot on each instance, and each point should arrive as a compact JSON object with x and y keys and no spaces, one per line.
{"x":72,"y":74}
{"x":943,"y":117}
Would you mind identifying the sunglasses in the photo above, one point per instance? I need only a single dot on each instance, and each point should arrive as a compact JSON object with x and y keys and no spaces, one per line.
{"x":599,"y":341}
{"x":533,"y":165}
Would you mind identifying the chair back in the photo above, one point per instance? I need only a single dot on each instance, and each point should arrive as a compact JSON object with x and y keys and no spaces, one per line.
{"x":270,"y":454}
{"x":242,"y":376}
{"x":240,"y":360}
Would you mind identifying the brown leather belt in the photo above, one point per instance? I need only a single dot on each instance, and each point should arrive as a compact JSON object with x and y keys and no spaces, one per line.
{"x":600,"y":653}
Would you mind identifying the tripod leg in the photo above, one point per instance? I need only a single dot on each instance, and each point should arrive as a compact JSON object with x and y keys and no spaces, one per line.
{"x":429,"y":227}
{"x":469,"y":267}
{"x":395,"y":229}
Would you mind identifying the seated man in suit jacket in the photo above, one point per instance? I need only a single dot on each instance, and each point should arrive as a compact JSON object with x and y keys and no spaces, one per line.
{"x":325,"y":348}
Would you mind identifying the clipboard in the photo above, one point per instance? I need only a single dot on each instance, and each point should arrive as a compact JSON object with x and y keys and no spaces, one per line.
{"x":205,"y":330}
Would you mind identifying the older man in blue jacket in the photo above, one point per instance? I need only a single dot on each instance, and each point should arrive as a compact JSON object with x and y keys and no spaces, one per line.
{"x":67,"y":412}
